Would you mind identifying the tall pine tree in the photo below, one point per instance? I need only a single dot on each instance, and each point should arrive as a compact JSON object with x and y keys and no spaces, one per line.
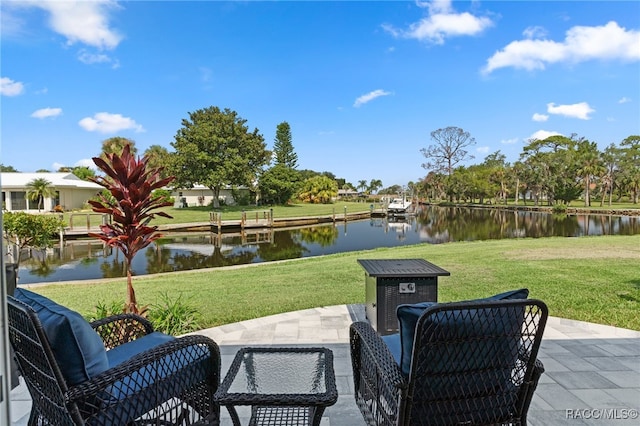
{"x":283,"y":147}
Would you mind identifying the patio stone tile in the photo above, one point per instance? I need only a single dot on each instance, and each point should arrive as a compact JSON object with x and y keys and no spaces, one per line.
{"x":582,"y":380}
{"x":624,"y":379}
{"x":551,"y":364}
{"x":597,"y":398}
{"x":575,"y":363}
{"x":557,"y":397}
{"x":628,"y":397}
{"x":608,"y":363}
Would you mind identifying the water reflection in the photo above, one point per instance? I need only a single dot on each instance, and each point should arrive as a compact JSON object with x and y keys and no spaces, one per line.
{"x":89,"y":259}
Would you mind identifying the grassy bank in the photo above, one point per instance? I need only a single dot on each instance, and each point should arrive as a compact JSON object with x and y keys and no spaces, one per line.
{"x":592,"y":279}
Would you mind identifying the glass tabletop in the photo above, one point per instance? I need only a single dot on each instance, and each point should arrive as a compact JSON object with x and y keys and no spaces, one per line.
{"x":280,"y":372}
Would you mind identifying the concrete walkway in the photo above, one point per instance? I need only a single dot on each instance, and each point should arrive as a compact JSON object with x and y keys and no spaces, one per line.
{"x":592,"y":371}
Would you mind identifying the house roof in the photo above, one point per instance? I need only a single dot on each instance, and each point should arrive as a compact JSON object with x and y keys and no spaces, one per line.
{"x":58,"y":180}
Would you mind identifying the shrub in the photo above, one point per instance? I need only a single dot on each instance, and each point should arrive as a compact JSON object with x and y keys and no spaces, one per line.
{"x":559,"y":208}
{"x":164,"y":195}
{"x":174,"y":317}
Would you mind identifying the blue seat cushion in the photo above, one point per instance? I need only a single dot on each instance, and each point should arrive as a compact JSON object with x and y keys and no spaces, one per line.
{"x":124,"y":352}
{"x":408,"y":315}
{"x":155,"y":381}
{"x":78,"y":349}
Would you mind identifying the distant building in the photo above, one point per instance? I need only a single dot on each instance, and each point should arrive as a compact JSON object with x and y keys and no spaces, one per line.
{"x":200,"y":195}
{"x":71,"y":192}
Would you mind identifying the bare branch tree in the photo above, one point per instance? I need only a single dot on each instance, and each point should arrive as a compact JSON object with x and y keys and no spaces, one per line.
{"x":449,"y":149}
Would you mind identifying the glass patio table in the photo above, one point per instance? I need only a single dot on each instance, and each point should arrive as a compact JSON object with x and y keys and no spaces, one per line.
{"x":283,"y":386}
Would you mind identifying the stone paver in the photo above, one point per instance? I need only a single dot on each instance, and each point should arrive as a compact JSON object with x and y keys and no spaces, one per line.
{"x":592,"y":371}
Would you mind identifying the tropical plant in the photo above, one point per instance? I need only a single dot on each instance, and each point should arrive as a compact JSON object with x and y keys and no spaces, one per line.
{"x":131,"y":184}
{"x":318,"y":189}
{"x":174,"y":317}
{"x":38,"y":189}
{"x":158,"y":157}
{"x":116,"y":145}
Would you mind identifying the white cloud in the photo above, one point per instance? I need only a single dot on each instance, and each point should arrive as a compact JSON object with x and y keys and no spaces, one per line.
{"x":482,"y":149}
{"x":606,"y":42}
{"x":56,"y":166}
{"x":534,"y":32}
{"x":92,"y":58}
{"x":441,"y":23}
{"x":86,"y":162}
{"x":541,"y":135}
{"x":369,"y":97}
{"x":9,"y":87}
{"x":105,"y":122}
{"x":85,"y":22}
{"x":509,"y":141}
{"x":580,"y":110}
{"x":540,"y":117}
{"x":624,"y":100}
{"x":47,"y":112}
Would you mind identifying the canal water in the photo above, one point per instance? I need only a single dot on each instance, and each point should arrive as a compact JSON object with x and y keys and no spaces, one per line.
{"x":88,"y":259}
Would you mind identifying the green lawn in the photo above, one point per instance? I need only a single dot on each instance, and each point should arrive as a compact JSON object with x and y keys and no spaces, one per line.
{"x":592,"y":279}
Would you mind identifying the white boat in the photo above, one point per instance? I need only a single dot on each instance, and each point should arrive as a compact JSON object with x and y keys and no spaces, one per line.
{"x":398,"y":206}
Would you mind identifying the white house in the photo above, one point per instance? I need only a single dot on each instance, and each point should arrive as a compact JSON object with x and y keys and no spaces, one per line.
{"x":71,"y":192}
{"x":200,"y":195}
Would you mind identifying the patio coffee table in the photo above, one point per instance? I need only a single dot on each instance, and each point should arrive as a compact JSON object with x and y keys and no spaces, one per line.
{"x":283,"y":386}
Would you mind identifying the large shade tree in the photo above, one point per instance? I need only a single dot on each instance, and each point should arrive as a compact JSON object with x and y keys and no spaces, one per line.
{"x":215,"y":148}
{"x":132,"y":206}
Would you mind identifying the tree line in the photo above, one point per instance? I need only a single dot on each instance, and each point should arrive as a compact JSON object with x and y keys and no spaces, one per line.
{"x":215,"y":148}
{"x":555,"y":170}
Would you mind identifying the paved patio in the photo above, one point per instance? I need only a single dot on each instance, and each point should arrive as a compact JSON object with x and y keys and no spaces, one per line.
{"x":592,"y":371}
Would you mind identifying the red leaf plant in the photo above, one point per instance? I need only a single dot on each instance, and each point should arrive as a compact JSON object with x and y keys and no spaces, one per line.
{"x":131,"y":184}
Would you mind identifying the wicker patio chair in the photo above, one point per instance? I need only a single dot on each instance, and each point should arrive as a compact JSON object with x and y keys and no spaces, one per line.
{"x":165,"y":382}
{"x":470,"y":363}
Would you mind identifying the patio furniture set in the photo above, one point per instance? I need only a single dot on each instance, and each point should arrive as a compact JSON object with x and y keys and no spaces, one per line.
{"x":472,"y":362}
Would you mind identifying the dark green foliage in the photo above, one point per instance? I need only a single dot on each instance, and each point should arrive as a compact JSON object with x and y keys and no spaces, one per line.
{"x":283,"y":147}
{"x":214,"y":148}
{"x":278,"y":185}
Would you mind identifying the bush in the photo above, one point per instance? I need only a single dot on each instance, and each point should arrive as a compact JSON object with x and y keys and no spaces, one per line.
{"x":164,"y":195}
{"x":104,"y":310}
{"x":559,"y":208}
{"x":174,"y":317}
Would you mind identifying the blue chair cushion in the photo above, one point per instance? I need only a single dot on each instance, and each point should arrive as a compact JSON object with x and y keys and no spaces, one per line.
{"x":408,"y":315}
{"x":155,"y":381}
{"x":78,"y":349}
{"x":124,"y":352}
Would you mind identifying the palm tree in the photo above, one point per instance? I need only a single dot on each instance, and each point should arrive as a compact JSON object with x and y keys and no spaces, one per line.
{"x":158,"y":158}
{"x":590,"y":164}
{"x":39,"y":189}
{"x":362,"y":185}
{"x":116,"y":145}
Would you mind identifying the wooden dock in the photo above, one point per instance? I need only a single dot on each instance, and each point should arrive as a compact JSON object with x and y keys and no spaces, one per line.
{"x":251,"y":220}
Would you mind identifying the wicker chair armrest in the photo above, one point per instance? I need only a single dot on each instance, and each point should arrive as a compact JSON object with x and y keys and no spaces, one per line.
{"x":369,"y":349}
{"x":122,"y":328}
{"x":158,"y":363}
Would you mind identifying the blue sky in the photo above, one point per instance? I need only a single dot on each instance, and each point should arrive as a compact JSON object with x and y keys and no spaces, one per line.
{"x":362,"y":84}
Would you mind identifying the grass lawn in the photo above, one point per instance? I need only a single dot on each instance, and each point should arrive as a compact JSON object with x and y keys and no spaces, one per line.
{"x":592,"y":279}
